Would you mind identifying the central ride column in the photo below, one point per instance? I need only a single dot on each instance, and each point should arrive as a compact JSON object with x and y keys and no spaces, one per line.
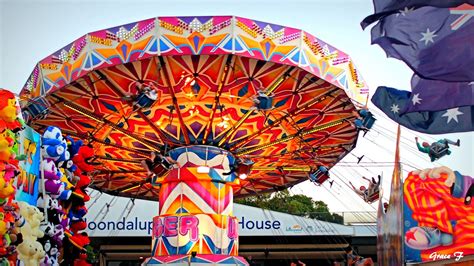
{"x":195,"y":225}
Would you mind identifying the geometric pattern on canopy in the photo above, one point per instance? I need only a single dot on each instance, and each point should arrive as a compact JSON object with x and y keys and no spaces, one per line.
{"x":206,"y":71}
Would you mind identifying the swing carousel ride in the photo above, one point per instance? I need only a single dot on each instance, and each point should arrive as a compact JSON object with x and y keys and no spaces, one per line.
{"x":241,"y":106}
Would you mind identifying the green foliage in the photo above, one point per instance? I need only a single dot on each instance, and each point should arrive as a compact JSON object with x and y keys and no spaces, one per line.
{"x":300,"y":205}
{"x":92,"y":255}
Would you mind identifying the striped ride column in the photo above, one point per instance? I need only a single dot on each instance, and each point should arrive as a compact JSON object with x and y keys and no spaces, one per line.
{"x":196,"y":224}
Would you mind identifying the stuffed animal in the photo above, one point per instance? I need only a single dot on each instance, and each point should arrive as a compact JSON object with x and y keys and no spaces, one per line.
{"x":58,"y":235}
{"x":53,"y":144}
{"x":83,"y":182}
{"x":4,"y":237}
{"x":66,"y":180}
{"x":39,"y":255}
{"x":47,"y":228}
{"x":82,"y":159}
{"x":79,"y":240}
{"x":77,"y":226}
{"x":48,"y":202}
{"x":79,"y":195}
{"x":73,"y":146}
{"x":6,"y":181}
{"x":66,"y":155}
{"x":14,"y":149}
{"x":77,"y":213}
{"x":13,"y":222}
{"x":9,"y":110}
{"x":53,"y":232}
{"x":15,"y":211}
{"x":6,"y":143}
{"x":30,"y":252}
{"x":6,"y":188}
{"x":26,"y":251}
{"x":9,"y":172}
{"x":67,"y":168}
{"x":33,"y":217}
{"x":52,"y":252}
{"x":53,"y":133}
{"x":53,"y":184}
{"x":82,"y":260}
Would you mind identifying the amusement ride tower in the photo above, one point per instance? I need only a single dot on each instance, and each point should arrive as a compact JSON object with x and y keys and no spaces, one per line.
{"x":231,"y":107}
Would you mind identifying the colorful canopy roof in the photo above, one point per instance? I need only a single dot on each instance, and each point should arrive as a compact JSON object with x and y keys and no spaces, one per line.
{"x":207,"y":72}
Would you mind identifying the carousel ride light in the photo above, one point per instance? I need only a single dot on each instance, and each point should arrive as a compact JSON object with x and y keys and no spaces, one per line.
{"x":224,"y":123}
{"x":203,"y":169}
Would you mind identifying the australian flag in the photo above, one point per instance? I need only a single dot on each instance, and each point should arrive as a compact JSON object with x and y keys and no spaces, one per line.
{"x":396,"y":104}
{"x":435,"y":42}
{"x":437,"y":95}
{"x":384,"y":8}
{"x":435,"y":39}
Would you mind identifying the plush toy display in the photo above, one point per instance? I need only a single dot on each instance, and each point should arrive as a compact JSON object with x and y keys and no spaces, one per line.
{"x":10,"y":219}
{"x":66,"y":167}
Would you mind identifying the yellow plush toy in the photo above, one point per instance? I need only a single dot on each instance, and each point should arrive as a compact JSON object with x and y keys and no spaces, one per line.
{"x":65,"y":179}
{"x":5,"y":146}
{"x":6,"y":188}
{"x":3,"y":227}
{"x":9,"y":110}
{"x":8,"y":113}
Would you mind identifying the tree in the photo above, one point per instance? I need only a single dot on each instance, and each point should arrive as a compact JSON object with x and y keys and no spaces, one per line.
{"x":300,"y":205}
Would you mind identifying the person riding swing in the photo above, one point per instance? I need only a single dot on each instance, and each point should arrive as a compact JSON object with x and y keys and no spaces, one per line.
{"x":371,"y":193}
{"x":145,"y":97}
{"x":437,"y":149}
{"x":157,"y":164}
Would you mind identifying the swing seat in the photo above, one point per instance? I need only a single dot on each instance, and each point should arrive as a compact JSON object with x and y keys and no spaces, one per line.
{"x":369,"y":121}
{"x":319,"y":176}
{"x":244,"y":166}
{"x":372,"y":198}
{"x":321,"y":179}
{"x":440,"y":151}
{"x":265,"y":102}
{"x":313,"y":177}
{"x":143,"y":101}
{"x":161,"y":169}
{"x":37,"y":110}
